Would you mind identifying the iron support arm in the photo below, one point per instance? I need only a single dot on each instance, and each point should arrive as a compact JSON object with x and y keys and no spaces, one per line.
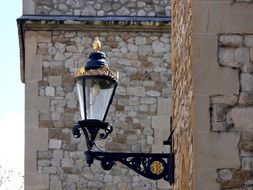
{"x":150,"y":165}
{"x":153,"y":166}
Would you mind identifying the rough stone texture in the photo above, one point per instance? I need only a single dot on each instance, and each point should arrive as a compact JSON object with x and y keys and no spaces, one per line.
{"x":142,"y":60}
{"x":103,"y":8}
{"x":244,"y":1}
{"x":183,"y":91}
{"x":234,"y":113}
{"x":222,"y":69}
{"x":36,"y":138}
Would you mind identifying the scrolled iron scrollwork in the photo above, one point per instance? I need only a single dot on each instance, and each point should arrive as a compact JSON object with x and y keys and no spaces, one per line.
{"x":139,"y":162}
{"x":150,"y":165}
{"x":90,"y":130}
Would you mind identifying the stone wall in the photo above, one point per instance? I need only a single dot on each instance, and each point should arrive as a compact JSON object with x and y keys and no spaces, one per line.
{"x":234,"y":114}
{"x":138,"y":47}
{"x":102,"y":8}
{"x":222,"y":94}
{"x":182,"y":93}
{"x":142,"y":58}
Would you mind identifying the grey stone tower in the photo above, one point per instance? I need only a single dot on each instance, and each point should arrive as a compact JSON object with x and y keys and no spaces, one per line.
{"x":55,"y":39}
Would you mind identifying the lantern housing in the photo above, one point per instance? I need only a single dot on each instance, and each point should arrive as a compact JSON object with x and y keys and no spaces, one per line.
{"x":96,"y":85}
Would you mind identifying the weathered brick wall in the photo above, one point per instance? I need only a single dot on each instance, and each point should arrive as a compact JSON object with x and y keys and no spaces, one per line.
{"x":142,"y":58}
{"x":182,"y":93}
{"x":103,"y":8}
{"x":234,"y":114}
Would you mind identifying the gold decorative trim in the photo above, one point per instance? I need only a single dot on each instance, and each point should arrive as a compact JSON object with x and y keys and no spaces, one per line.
{"x":102,"y":71}
{"x":96,"y":45}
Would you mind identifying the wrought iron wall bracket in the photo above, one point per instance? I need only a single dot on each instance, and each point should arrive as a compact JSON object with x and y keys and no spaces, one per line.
{"x":153,"y":166}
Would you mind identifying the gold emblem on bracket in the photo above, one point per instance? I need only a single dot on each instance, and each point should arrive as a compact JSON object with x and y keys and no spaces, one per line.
{"x":156,"y":167}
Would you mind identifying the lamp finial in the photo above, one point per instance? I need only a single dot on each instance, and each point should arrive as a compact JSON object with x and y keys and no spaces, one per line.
{"x":96,"y":45}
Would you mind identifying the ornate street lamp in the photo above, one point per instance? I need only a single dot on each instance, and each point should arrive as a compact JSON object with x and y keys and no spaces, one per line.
{"x":96,"y":85}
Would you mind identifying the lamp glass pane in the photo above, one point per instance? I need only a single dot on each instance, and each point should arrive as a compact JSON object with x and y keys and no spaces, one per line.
{"x":79,"y":85}
{"x":98,"y":93}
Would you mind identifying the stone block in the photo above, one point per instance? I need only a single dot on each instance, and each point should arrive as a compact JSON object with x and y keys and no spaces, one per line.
{"x":132,"y":48}
{"x":158,"y":47}
{"x":242,"y":118}
{"x":43,"y":163}
{"x":101,"y":13}
{"x":107,"y":6}
{"x":207,"y":47}
{"x":153,"y":93}
{"x":219,"y":126}
{"x":247,"y":67}
{"x":69,"y":63}
{"x":130,"y":70}
{"x":218,"y":112}
{"x":36,"y":139}
{"x":161,"y":125}
{"x":164,"y":106}
{"x":141,"y":4}
{"x":242,"y":55}
{"x":71,"y":103}
{"x":123,"y":11}
{"x":248,"y":39}
{"x":77,"y":155}
{"x":243,"y":1}
{"x":59,"y":56}
{"x":124,"y":62}
{"x":246,"y":98}
{"x":140,"y":40}
{"x":136,"y":91}
{"x":55,"y":80}
{"x":209,"y":150}
{"x":55,"y":184}
{"x":36,"y":103}
{"x":50,"y":91}
{"x":226,"y":57}
{"x":163,"y":185}
{"x":107,"y":178}
{"x":144,"y":50}
{"x":225,"y":175}
{"x":44,"y":155}
{"x":247,"y":82}
{"x":148,"y":100}
{"x":55,"y":144}
{"x":212,"y":17}
{"x":35,"y":181}
{"x":49,"y":170}
{"x":95,"y":185}
{"x":60,"y":46}
{"x":58,"y":154}
{"x":28,"y":7}
{"x":231,"y":40}
{"x":33,"y":72}
{"x":55,"y":162}
{"x":220,"y":80}
{"x":201,"y":106}
{"x":206,"y":177}
{"x":227,"y":100}
{"x":67,"y":163}
{"x":246,"y":163}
